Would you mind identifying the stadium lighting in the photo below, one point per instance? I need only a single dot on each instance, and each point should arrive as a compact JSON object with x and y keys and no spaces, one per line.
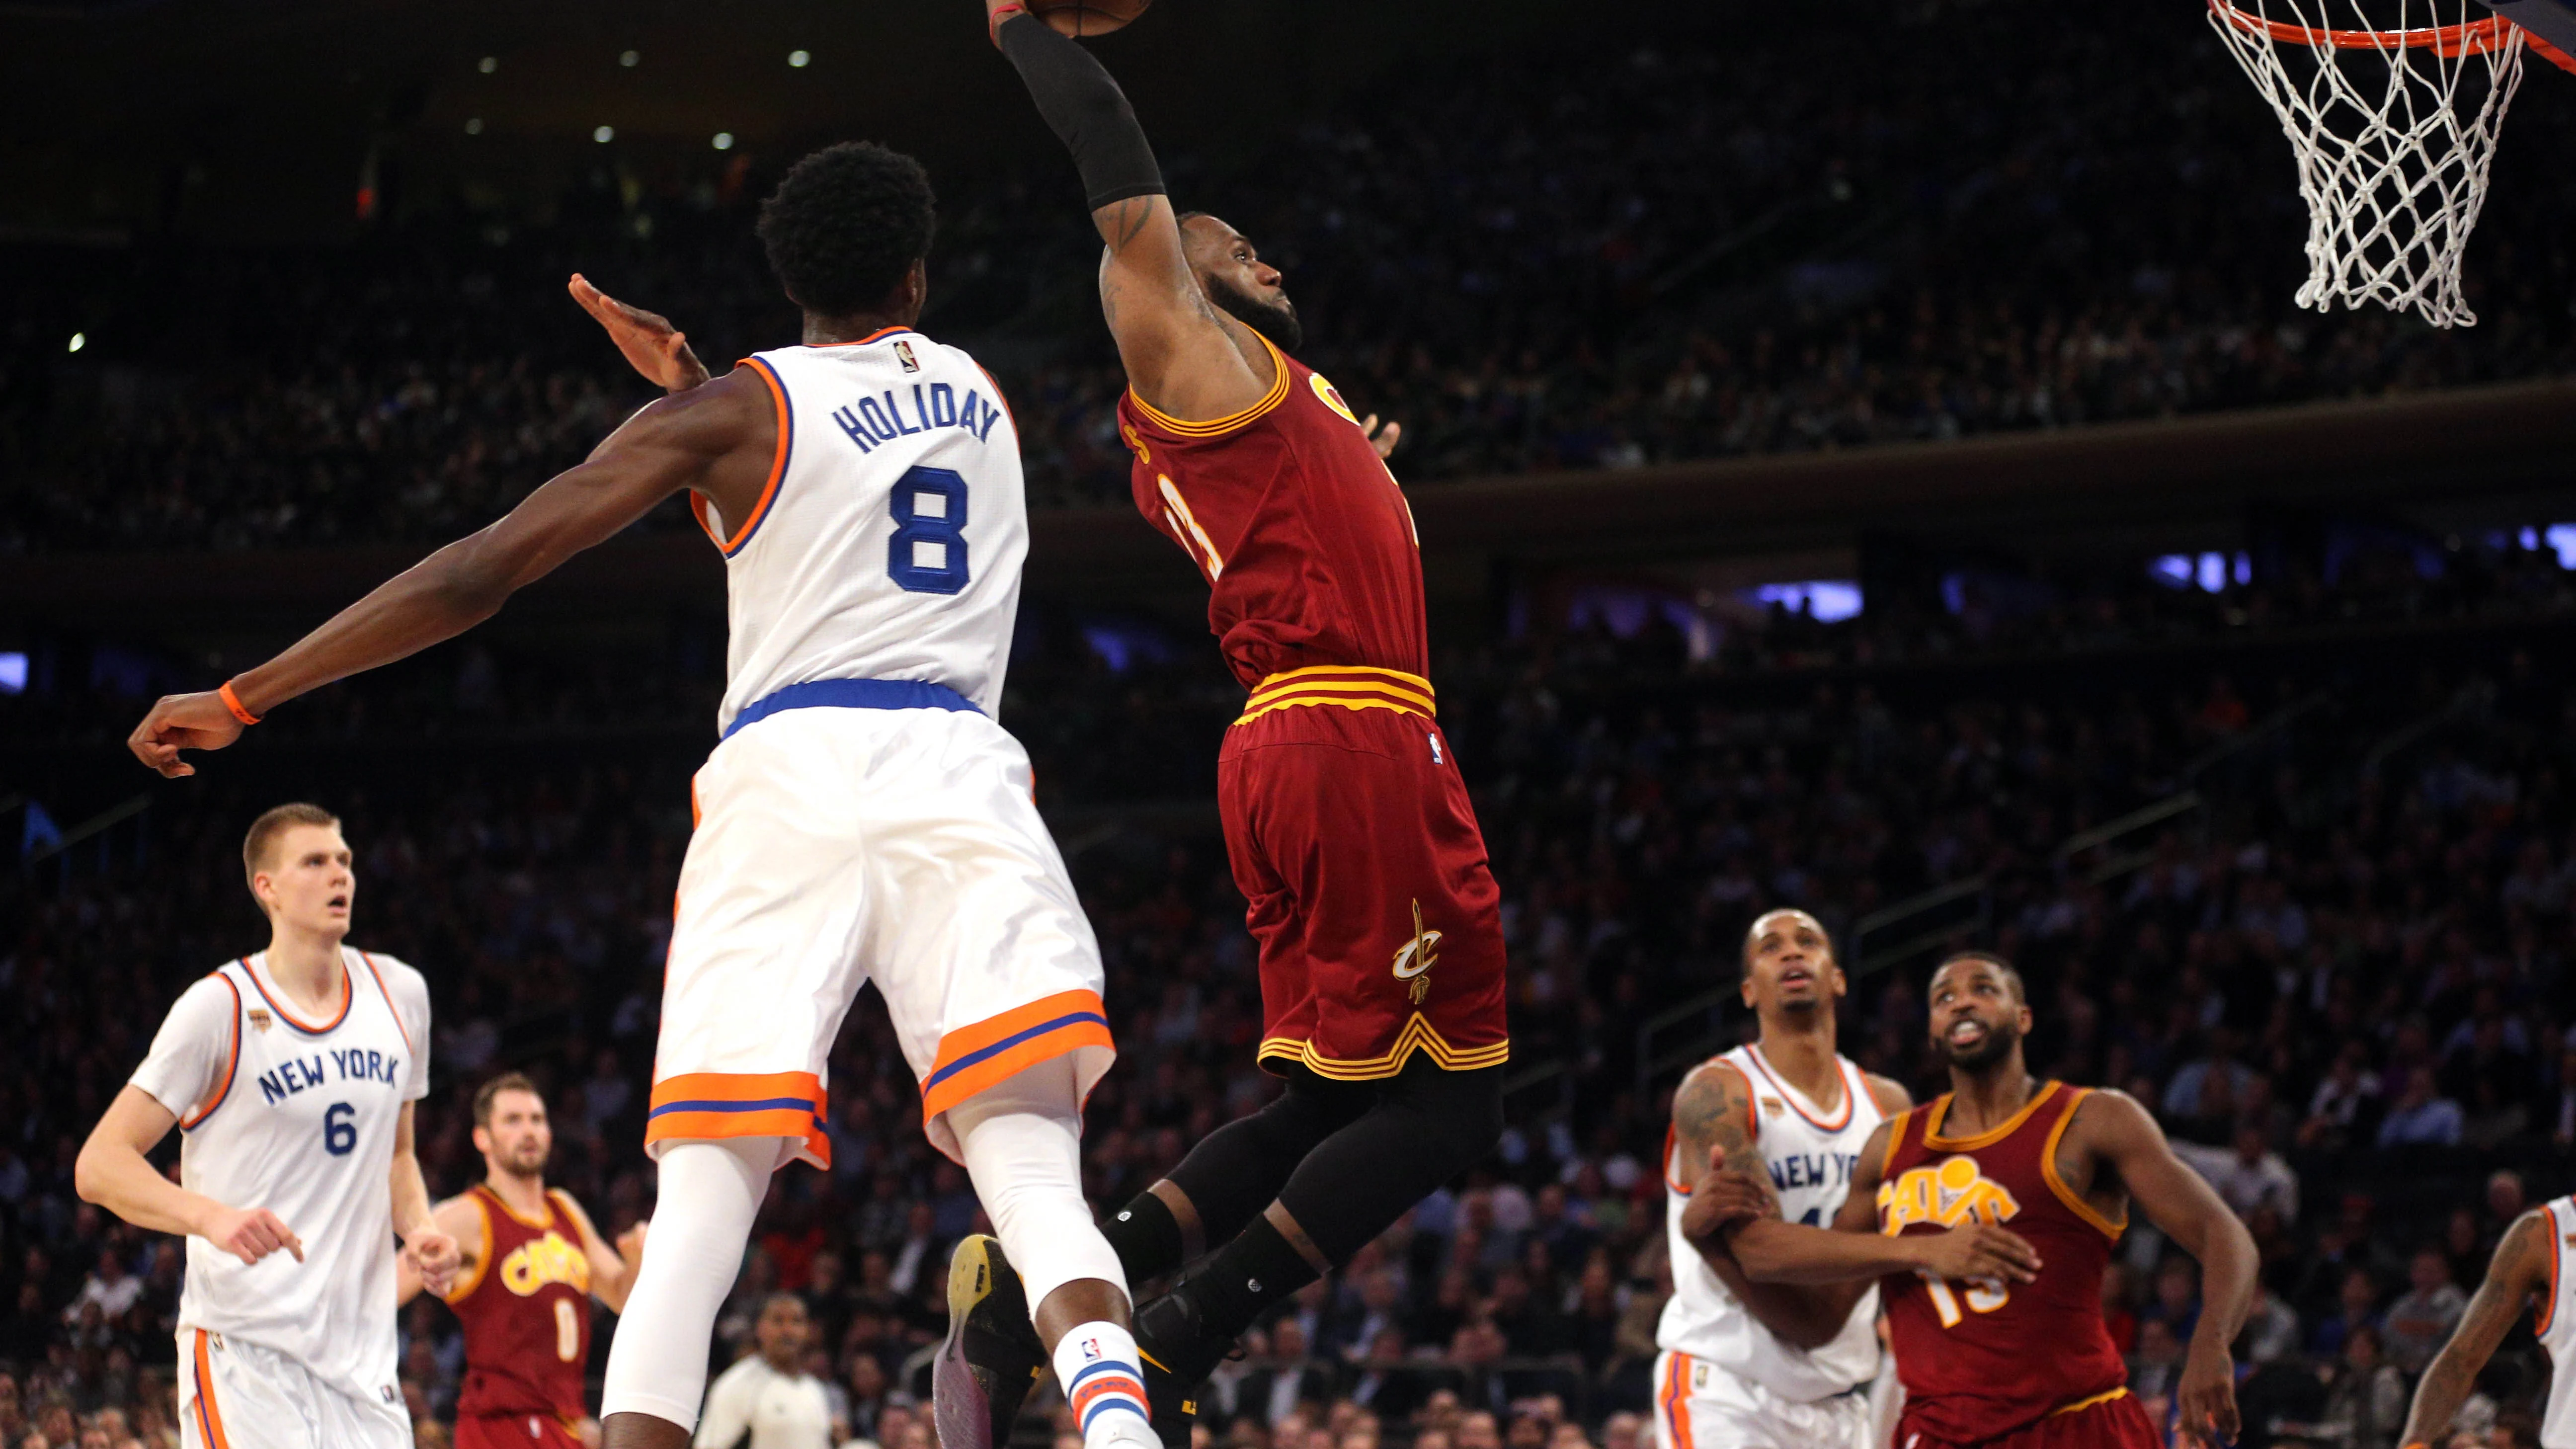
{"x":474,"y":126}
{"x":13,"y":672}
{"x":1827,"y":601}
{"x":799,"y":59}
{"x":488,"y":64}
{"x":2562,"y":538}
{"x":604,"y":134}
{"x":724,"y":140}
{"x":79,"y":341}
{"x":629,"y":59}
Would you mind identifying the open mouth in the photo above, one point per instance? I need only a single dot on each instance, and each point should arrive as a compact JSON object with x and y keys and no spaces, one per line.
{"x":1966,"y":1032}
{"x":338,"y":902}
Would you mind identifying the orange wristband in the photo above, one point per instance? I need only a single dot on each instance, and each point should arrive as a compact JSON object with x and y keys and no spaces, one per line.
{"x":993,"y":24}
{"x":233,"y":702}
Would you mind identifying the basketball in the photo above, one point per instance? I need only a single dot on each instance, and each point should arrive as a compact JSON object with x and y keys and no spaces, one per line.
{"x":1084,"y":18}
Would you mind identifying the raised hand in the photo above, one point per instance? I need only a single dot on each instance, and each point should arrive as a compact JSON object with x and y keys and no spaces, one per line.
{"x":1383,"y":439}
{"x":251,"y":1234}
{"x":656,"y":348}
{"x":200,"y":721}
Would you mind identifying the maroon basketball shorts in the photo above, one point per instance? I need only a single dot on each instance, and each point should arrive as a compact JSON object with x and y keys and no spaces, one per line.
{"x":2115,"y":1420}
{"x":1353,"y":841}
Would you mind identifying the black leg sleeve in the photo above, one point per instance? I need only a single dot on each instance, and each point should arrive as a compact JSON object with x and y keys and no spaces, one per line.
{"x":1427,"y":1126}
{"x":1236,"y":1170}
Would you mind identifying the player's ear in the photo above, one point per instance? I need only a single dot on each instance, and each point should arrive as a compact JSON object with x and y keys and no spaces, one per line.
{"x":483,"y":1139}
{"x":1842,"y":983}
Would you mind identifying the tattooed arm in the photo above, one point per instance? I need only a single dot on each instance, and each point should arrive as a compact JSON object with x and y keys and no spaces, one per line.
{"x":1714,"y":1127}
{"x":2520,"y":1268}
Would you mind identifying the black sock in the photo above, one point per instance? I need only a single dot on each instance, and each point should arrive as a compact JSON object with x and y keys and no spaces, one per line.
{"x":1259,"y":1268}
{"x":1146,"y":1238}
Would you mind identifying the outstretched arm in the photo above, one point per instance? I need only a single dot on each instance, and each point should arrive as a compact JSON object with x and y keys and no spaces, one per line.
{"x":1181,"y":354}
{"x":462,"y":1222}
{"x":2520,"y":1268}
{"x":1713,"y":1130}
{"x":692,"y":439}
{"x":2181,"y":1202}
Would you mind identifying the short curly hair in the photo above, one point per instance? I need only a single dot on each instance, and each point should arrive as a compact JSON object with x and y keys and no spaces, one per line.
{"x":845,"y":225}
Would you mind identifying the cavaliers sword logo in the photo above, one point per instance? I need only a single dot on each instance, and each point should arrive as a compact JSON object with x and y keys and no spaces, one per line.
{"x":1414,"y":960}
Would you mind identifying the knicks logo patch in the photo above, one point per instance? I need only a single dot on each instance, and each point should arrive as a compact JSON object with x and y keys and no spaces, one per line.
{"x":1947,"y":1194}
{"x":1332,"y":399}
{"x":1415,"y":958}
{"x":548,"y":1260}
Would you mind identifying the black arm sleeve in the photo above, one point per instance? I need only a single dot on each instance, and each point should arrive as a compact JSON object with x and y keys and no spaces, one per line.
{"x":1087,"y":110}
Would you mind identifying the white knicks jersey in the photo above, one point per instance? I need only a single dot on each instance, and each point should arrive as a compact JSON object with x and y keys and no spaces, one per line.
{"x":297,"y":1116}
{"x":889,"y":541}
{"x":2556,"y":1325}
{"x":1811,"y":1156}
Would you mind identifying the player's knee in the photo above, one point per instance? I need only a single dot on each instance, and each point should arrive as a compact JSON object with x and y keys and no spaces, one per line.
{"x":1461,"y":1115}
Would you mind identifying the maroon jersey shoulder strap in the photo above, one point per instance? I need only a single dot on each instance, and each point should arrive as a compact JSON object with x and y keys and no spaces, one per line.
{"x":2074,"y":1202}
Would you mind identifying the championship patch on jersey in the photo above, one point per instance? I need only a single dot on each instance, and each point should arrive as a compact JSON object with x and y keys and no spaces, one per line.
{"x":903,"y":354}
{"x":1773,"y":1107}
{"x":258,"y":1018}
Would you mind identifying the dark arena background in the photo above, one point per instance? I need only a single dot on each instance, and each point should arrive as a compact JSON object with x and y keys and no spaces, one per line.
{"x":1866,"y":459}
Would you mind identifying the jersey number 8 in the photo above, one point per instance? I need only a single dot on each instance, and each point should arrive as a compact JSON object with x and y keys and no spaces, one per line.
{"x":927,"y":554}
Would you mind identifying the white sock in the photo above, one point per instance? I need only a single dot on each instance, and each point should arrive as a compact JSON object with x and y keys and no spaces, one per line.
{"x":710,"y":1191}
{"x":1022,"y":1140}
{"x":1097,"y":1365}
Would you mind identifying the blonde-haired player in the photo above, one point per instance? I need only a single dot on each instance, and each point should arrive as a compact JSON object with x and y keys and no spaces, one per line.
{"x":1749,"y":1365}
{"x":293,"y":1073}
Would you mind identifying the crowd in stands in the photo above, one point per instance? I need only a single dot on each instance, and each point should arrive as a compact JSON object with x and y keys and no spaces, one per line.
{"x":2338,"y":971}
{"x":1732,"y":235}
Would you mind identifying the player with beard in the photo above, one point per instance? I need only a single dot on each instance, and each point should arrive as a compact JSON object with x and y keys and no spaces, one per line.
{"x":1346,"y":823}
{"x":1754,"y":1365}
{"x":2017,"y":1358}
{"x":532,"y":1263}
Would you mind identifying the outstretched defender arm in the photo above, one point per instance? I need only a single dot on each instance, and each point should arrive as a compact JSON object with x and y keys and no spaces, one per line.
{"x":2182,"y":1203}
{"x":1182,"y":355}
{"x":716,"y":439}
{"x":1839,"y":1262}
{"x":2520,"y":1268}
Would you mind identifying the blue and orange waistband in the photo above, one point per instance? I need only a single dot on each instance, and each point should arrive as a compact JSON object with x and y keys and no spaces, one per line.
{"x":1350,"y":686}
{"x":853,"y":694}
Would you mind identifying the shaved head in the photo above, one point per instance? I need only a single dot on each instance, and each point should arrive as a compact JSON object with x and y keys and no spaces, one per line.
{"x":2003,"y":968}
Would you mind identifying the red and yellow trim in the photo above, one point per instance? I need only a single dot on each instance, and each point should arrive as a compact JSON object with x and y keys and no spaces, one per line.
{"x":1350,"y":686}
{"x":210,"y":1420}
{"x":1939,"y":1113}
{"x":975,"y":1057}
{"x":1417,"y":1036}
{"x":1213,"y":427}
{"x":348,"y":995}
{"x":472,"y":1278}
{"x":2080,"y":1405}
{"x":2057,"y":1184}
{"x":777,"y":460}
{"x":706,"y":1106}
{"x":1673,"y":1400}
{"x":232,"y":1063}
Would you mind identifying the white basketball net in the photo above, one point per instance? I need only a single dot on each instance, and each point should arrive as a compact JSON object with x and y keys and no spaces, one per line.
{"x":2393,"y":169}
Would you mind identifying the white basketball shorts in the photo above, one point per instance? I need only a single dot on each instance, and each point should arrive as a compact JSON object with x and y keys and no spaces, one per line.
{"x":1701,"y":1406}
{"x":836,"y":846}
{"x":236,"y":1395}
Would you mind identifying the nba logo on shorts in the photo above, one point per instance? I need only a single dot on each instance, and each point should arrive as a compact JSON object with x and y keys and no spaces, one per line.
{"x":1090,"y":1348}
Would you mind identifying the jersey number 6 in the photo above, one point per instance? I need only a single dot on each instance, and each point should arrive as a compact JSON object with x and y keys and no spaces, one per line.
{"x":339,"y":1134}
{"x":927,"y":554}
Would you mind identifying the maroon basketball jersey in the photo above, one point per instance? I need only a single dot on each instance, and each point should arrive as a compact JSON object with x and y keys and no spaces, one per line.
{"x":1304,"y":538}
{"x":1980,"y":1360}
{"x":526,"y":1310}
